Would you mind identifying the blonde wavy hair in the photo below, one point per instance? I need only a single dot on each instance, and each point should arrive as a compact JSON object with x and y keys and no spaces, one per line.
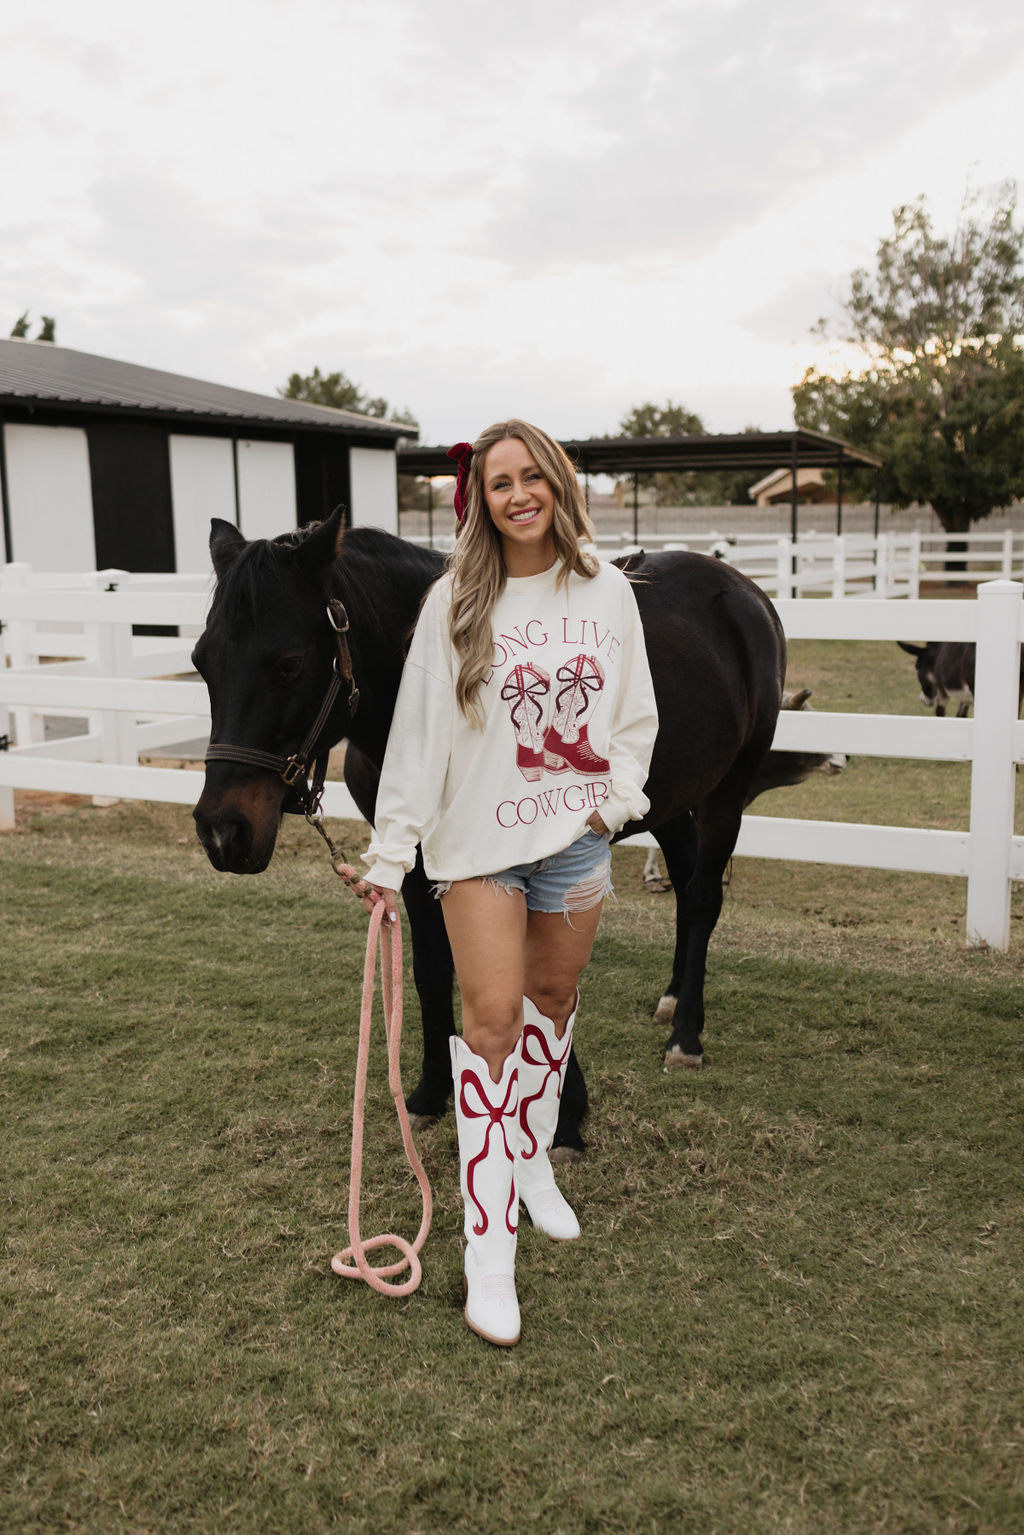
{"x":477,"y":567}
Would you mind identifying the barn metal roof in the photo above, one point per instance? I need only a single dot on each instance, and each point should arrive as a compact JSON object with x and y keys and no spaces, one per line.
{"x":646,"y":455}
{"x":49,"y":378}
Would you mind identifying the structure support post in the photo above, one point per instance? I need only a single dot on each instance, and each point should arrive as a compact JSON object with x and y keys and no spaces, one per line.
{"x":993,"y":776}
{"x":878,"y":499}
{"x":839,"y":495}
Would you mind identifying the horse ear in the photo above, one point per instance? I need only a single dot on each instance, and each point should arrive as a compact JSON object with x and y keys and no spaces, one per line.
{"x":226,"y":544}
{"x":320,"y":550}
{"x":796,"y":700}
{"x":912,"y":650}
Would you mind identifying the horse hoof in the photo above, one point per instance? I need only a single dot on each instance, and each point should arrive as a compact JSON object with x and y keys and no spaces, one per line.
{"x":418,"y":1122}
{"x":563,"y":1155}
{"x":676,"y":1059}
{"x":665,"y":1010}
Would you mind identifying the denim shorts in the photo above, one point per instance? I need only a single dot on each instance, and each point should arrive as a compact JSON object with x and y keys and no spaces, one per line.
{"x":576,"y":879}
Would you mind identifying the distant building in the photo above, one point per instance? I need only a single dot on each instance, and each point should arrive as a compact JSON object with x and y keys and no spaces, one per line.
{"x":777,"y":488}
{"x":105,"y":463}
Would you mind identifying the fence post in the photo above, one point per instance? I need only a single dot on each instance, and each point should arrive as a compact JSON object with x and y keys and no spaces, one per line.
{"x":915,"y":564}
{"x":882,"y":565}
{"x":6,"y":795}
{"x":1006,"y":569}
{"x":839,"y":566}
{"x":28,"y":725}
{"x":785,"y":586}
{"x":997,"y":680}
{"x":111,"y":644}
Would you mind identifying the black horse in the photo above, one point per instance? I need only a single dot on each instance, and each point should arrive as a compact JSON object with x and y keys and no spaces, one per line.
{"x":717,"y":656}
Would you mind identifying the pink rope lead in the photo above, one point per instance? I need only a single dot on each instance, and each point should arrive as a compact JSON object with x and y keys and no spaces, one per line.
{"x":391,"y":988}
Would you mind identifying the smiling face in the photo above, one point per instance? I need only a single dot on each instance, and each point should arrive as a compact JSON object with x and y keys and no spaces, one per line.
{"x":521,"y":503}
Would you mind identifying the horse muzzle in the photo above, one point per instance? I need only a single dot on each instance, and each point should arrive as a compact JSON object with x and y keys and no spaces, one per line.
{"x":237,"y":824}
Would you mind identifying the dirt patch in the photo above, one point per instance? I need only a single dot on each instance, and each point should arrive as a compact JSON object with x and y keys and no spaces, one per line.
{"x":29,"y":803}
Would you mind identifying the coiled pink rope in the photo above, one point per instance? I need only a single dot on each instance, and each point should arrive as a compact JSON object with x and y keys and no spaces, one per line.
{"x":391,"y":989}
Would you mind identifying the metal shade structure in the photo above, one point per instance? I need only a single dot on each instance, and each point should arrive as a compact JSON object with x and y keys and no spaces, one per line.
{"x":757,"y":451}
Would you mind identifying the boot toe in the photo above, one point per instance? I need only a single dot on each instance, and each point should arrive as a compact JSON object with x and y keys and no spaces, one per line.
{"x":492,"y":1308}
{"x":551,"y":1213}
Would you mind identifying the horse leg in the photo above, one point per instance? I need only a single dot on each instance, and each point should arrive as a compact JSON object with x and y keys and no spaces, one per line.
{"x":718,"y":826}
{"x":573,"y":1107}
{"x":678,"y":842}
{"x":434,"y":974}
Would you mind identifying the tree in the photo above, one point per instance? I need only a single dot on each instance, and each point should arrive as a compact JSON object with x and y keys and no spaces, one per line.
{"x":940,"y":322}
{"x":339,"y":392}
{"x":697,"y":488}
{"x":47,"y":330}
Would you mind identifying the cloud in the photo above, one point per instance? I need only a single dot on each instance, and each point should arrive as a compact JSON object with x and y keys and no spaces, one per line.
{"x":731,"y":113}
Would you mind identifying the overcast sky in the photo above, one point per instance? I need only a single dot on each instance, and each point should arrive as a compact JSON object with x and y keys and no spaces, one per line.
{"x":554,"y":209}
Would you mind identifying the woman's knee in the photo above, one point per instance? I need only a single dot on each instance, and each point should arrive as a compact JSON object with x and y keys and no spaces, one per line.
{"x":492,"y":1027}
{"x":553,"y":998}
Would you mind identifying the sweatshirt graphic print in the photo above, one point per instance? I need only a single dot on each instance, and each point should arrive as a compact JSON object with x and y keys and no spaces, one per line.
{"x":569,"y":726}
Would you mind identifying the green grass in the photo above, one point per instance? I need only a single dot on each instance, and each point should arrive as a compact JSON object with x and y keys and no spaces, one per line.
{"x":796,"y":1307}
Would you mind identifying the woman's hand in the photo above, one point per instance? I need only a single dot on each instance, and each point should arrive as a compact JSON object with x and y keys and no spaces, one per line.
{"x":596,"y":824}
{"x":370,"y":895}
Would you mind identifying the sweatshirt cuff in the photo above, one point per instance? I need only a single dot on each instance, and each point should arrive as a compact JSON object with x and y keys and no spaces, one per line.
{"x":388,"y":876}
{"x":619,"y":807}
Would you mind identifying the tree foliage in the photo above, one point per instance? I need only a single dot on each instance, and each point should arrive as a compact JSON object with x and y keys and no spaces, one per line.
{"x":699,"y":488}
{"x":340,"y":393}
{"x":940,"y":322}
{"x":47,"y":328}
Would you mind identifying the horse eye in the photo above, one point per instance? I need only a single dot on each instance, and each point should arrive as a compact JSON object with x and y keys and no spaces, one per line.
{"x":289,"y":667}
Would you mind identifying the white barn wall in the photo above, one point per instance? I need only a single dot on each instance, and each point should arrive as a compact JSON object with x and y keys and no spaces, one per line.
{"x":202,"y":486}
{"x":50,"y":493}
{"x":266,"y":488}
{"x":373,"y":482}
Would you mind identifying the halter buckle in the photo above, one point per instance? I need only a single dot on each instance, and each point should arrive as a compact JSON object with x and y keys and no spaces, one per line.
{"x":293,"y":771}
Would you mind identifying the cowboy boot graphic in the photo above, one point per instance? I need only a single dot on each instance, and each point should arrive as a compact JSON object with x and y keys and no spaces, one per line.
{"x":567,"y":745}
{"x":525,"y":690}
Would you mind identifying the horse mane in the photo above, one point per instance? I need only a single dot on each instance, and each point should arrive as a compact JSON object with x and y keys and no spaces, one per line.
{"x":382,"y":581}
{"x":252,"y":580}
{"x":380,"y":578}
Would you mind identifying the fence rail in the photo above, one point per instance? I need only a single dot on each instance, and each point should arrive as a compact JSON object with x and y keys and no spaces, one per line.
{"x":121,"y":686}
{"x":848,"y":565}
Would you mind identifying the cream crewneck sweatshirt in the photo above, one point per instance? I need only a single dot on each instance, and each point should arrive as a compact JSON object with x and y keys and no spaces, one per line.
{"x":569,"y":727}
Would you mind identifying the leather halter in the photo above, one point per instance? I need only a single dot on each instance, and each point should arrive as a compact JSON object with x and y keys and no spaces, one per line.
{"x":305,"y":774}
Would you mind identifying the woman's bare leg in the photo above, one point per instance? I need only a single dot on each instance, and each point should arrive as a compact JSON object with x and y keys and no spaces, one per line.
{"x":487,"y":930}
{"x":557,"y":951}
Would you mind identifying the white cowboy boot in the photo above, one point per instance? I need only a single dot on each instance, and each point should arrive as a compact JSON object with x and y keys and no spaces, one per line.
{"x":486,"y":1115}
{"x":542,"y":1062}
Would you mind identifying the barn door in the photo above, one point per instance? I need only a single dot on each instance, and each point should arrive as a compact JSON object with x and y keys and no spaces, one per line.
{"x":130,"y":468}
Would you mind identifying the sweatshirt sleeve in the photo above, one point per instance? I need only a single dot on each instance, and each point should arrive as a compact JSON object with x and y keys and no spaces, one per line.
{"x":415,"y":762}
{"x":634,"y":727}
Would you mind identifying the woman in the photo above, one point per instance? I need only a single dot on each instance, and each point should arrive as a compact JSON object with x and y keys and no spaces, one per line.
{"x":521,"y":742}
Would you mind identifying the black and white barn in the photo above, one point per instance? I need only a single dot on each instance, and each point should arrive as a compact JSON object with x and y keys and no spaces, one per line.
{"x":107,"y":464}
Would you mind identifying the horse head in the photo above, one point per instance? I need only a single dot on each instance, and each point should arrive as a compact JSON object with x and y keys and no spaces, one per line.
{"x":266,"y":656}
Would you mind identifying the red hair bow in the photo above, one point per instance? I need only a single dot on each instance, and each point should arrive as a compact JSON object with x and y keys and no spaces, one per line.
{"x":462,"y":453}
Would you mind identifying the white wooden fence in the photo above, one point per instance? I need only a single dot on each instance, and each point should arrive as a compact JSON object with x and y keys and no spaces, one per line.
{"x":851,"y":565}
{"x":125,"y":689}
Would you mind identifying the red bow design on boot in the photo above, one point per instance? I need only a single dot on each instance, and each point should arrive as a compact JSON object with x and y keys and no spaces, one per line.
{"x":496,"y":1114}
